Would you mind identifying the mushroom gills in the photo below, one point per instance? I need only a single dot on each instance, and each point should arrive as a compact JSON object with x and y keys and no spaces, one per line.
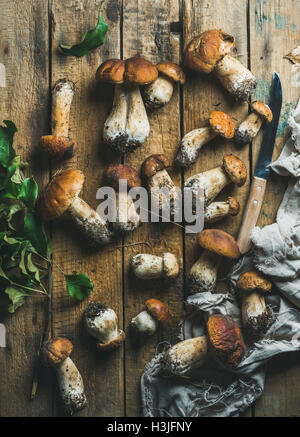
{"x":158,"y":93}
{"x":192,"y":143}
{"x":203,"y":274}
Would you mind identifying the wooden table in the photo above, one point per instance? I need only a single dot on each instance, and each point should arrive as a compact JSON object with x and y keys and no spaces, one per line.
{"x":30,"y":31}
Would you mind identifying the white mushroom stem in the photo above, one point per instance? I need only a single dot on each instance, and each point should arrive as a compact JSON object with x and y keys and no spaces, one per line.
{"x":147,"y":266}
{"x":144,"y":324}
{"x":127,"y":219}
{"x":203,"y":274}
{"x":192,"y":143}
{"x":71,"y":386}
{"x":62,"y":96}
{"x":92,"y":225}
{"x":104,"y":326}
{"x":212,"y":181}
{"x":186,"y":356}
{"x":158,"y":93}
{"x":127,"y":127}
{"x":235,"y":77}
{"x":160,"y":180}
{"x":217,"y":211}
{"x":249,"y":128}
{"x":255,"y":315}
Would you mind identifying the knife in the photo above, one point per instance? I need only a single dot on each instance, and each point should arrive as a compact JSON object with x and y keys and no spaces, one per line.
{"x":262,"y":170}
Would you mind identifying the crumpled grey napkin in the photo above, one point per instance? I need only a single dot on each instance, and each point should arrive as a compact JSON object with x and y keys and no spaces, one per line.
{"x":214,"y":391}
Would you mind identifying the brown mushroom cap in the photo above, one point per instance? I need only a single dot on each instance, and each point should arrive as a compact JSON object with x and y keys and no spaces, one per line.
{"x":253,"y":280}
{"x":234,"y":206}
{"x":111,"y":71}
{"x":222,"y":123}
{"x":219,"y":242}
{"x":171,"y":70}
{"x":154,"y":164}
{"x":59,"y":194}
{"x":226,"y":339}
{"x":58,"y":147}
{"x":263,"y":110}
{"x":139,"y":71}
{"x":116,"y":172}
{"x":55,"y":351}
{"x":235,"y":169}
{"x":158,"y":310}
{"x":206,"y":49}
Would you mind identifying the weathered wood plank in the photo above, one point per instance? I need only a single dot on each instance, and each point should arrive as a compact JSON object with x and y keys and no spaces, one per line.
{"x":274,"y":32}
{"x":102,"y":374}
{"x":24,"y":99}
{"x":146,"y":31}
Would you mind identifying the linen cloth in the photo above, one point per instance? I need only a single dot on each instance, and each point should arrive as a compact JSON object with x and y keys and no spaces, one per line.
{"x":214,"y":391}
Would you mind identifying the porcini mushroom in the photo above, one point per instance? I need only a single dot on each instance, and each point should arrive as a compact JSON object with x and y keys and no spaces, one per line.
{"x":215,"y":180}
{"x":209,"y":52}
{"x":225,"y":339}
{"x":58,"y":145}
{"x":146,"y":322}
{"x":102,"y":323}
{"x":60,"y":197}
{"x":147,"y":266}
{"x":127,"y":219}
{"x":56,"y":353}
{"x":186,"y":356}
{"x":156,"y":176}
{"x":127,"y":127}
{"x":217,"y":244}
{"x":255,"y":315}
{"x":220,"y":123}
{"x":159,"y":92}
{"x":218,"y":210}
{"x":250,"y":127}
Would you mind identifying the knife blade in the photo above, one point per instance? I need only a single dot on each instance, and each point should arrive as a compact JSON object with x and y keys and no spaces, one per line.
{"x":262,"y":169}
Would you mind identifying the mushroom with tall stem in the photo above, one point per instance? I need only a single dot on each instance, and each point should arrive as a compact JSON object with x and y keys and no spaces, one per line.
{"x":249,"y":128}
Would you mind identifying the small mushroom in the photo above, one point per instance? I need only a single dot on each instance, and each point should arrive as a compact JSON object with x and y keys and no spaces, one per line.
{"x":60,"y":197}
{"x":159,"y":92}
{"x":127,"y":219}
{"x":156,"y":176}
{"x":255,"y":315}
{"x":56,"y":353}
{"x":225,"y":339}
{"x":186,"y":356}
{"x":217,"y":244}
{"x":210,"y":52}
{"x":250,"y":127}
{"x":218,"y":210}
{"x":220,"y":123}
{"x":127,"y":127}
{"x":102,"y":323}
{"x":146,"y":322}
{"x":59,"y":146}
{"x":147,"y":266}
{"x":215,"y":180}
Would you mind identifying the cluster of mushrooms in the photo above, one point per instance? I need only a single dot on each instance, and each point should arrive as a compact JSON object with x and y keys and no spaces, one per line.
{"x":139,"y":85}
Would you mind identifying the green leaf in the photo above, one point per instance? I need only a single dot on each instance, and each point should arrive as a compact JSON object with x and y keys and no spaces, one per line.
{"x":34,"y":232}
{"x":17,"y":298}
{"x":22,"y":262}
{"x":33,"y":268}
{"x":28,"y":193}
{"x":92,"y":38}
{"x":7,"y":152}
{"x":79,"y":286}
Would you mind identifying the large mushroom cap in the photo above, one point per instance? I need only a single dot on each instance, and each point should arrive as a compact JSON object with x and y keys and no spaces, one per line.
{"x":252,"y":281}
{"x":55,"y":351}
{"x":236,"y":169}
{"x":206,"y":49}
{"x":222,"y":123}
{"x":116,"y":172}
{"x":263,"y":110}
{"x":59,"y":194}
{"x":139,"y":71}
{"x":171,"y":70}
{"x":58,"y":147}
{"x":154,"y":164}
{"x":158,"y":310}
{"x":111,"y":71}
{"x":219,"y":242}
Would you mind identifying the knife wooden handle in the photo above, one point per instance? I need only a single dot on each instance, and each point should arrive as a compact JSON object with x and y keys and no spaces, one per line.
{"x":251,"y":214}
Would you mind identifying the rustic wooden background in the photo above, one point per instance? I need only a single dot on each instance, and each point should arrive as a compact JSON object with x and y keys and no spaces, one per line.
{"x":30,"y":31}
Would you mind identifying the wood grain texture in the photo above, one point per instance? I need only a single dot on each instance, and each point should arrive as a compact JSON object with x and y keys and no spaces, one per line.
{"x":146,"y":32}
{"x":274,"y":32}
{"x":24,"y":53}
